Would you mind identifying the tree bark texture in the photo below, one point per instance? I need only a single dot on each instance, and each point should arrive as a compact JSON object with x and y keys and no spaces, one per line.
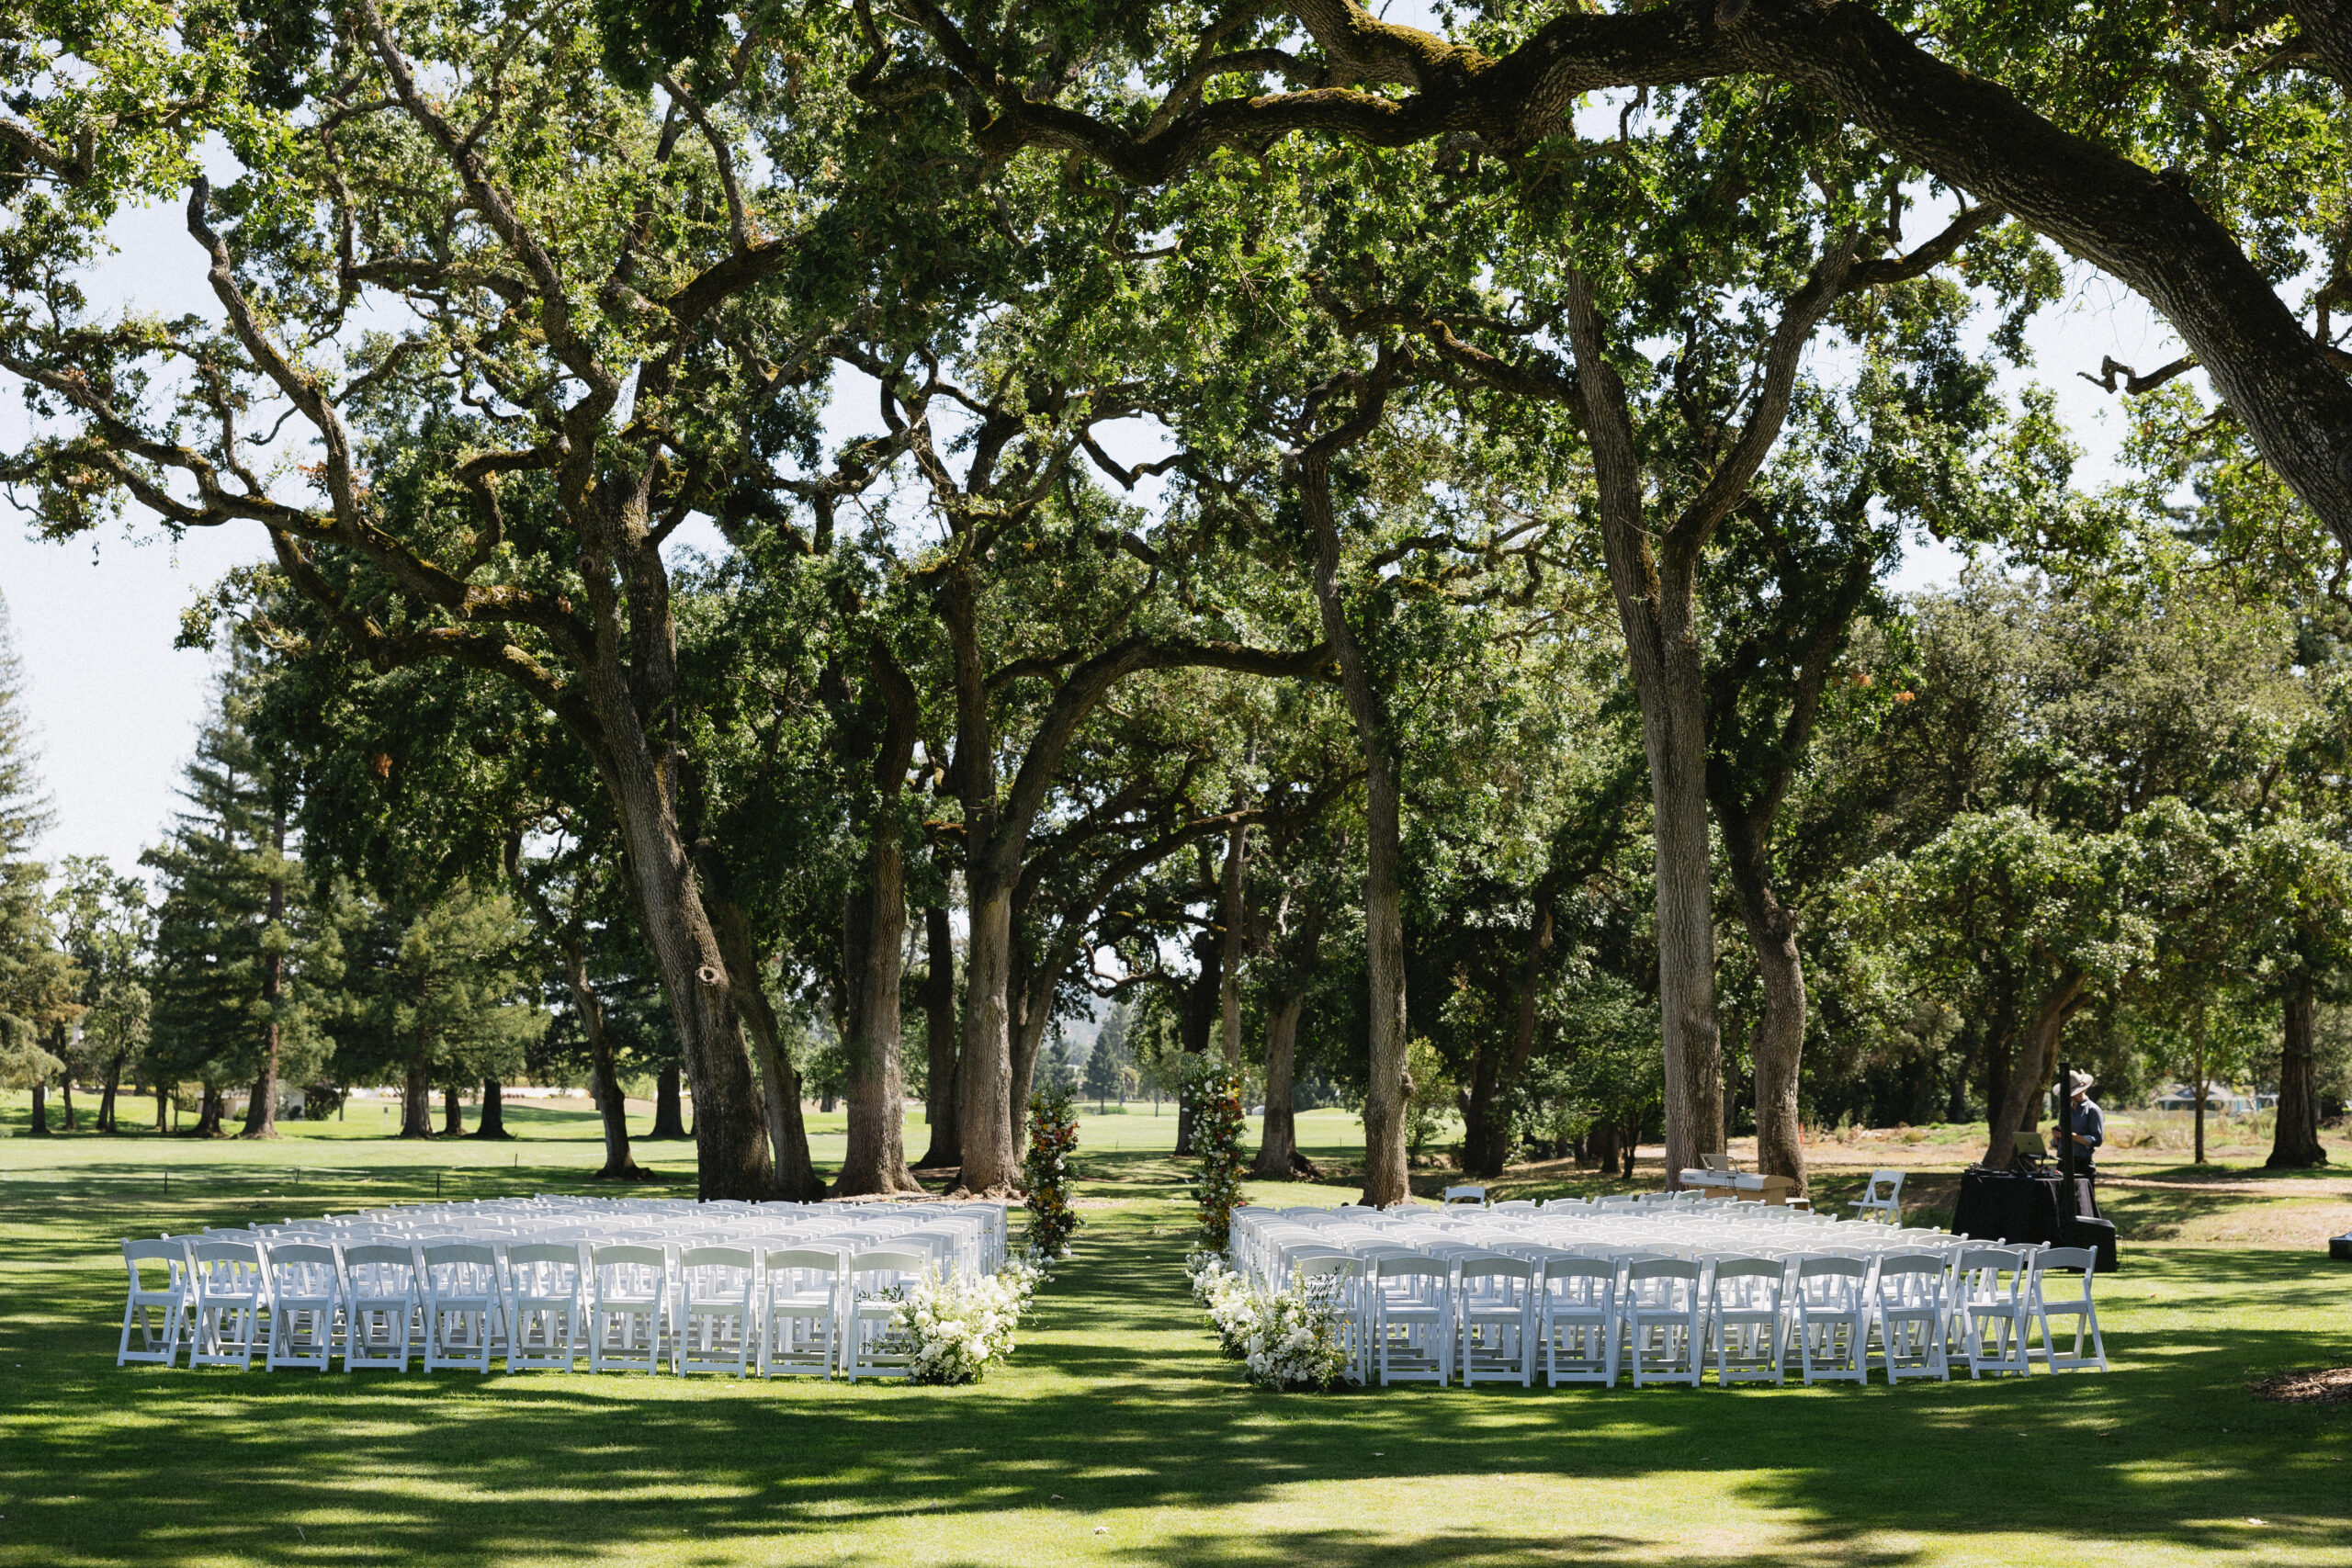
{"x":1278,"y":1156}
{"x":1777,"y":1042}
{"x":669,"y":1108}
{"x":984,"y":1079}
{"x":65,"y":1098}
{"x":2033,"y":1060}
{"x":492,"y":1123}
{"x":261,"y":1108}
{"x":39,"y":1126}
{"x":942,"y":1106}
{"x":2295,"y":1145}
{"x":874,"y":941}
{"x":873,"y":957}
{"x":605,"y":1080}
{"x":416,"y":1103}
{"x":1386,"y":1161}
{"x":1655,"y":605}
{"x":453,"y":1112}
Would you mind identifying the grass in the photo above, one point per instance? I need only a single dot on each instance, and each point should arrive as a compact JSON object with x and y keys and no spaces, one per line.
{"x":1116,"y":1434}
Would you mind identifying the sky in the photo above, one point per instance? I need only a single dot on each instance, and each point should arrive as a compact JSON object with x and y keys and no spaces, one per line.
{"x":115,"y":706}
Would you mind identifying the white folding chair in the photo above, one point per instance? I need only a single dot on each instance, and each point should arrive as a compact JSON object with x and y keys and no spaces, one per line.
{"x":1495,"y":1313}
{"x":2076,"y":1264}
{"x":382,"y":1302}
{"x":1993,"y":1298}
{"x":1746,"y":1326}
{"x":1663,"y":1330}
{"x":628,"y":1307}
{"x":877,"y":1282}
{"x":800,"y":1312}
{"x":1833,"y":1319}
{"x":1913,"y":1316}
{"x":307,"y":1307}
{"x":465,"y":1305}
{"x":231,"y":1304}
{"x":543,"y":1306}
{"x":1577,"y":1318}
{"x":170,"y":1299}
{"x":1469,"y":1193}
{"x":1883,"y":1199}
{"x":718,"y":1328}
{"x":1412,"y":1318}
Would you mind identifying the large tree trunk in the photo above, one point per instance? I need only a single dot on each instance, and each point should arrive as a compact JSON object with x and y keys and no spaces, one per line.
{"x":1030,"y":1020}
{"x":706,"y":998}
{"x":2035,"y":1059}
{"x":453,"y":1112}
{"x":2295,"y":1145}
{"x":1196,"y":1017}
{"x":163,"y":1107}
{"x":984,"y":1082}
{"x":1777,"y":1044}
{"x":1386,"y":1163}
{"x":873,"y":929}
{"x":39,"y":1126}
{"x":795,"y":1173}
{"x":416,"y":1103}
{"x":493,"y":1111}
{"x":65,"y":1098}
{"x":1657,"y":607}
{"x":873,"y":940}
{"x":669,"y":1104}
{"x":604,"y":1082}
{"x":940,"y":1104}
{"x":1278,"y":1156}
{"x":261,"y":1109}
{"x":211,"y":1110}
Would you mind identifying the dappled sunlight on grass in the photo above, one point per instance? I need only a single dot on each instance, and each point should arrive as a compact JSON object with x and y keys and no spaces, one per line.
{"x":1118,"y":1404}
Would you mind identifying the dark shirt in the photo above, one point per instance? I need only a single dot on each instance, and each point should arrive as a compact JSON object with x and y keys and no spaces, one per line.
{"x":2084,"y":1116}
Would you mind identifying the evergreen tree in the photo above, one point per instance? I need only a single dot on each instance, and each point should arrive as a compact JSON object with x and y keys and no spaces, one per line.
{"x":240,"y":953}
{"x":438,"y":996}
{"x":105,"y":926}
{"x":35,"y":977}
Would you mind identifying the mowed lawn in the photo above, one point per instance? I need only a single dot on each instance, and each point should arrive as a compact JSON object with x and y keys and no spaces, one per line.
{"x":1117,"y":1434}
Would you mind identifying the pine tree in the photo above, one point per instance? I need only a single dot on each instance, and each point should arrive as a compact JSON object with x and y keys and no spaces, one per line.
{"x":238,"y":953}
{"x":439,"y":996}
{"x":35,"y":977}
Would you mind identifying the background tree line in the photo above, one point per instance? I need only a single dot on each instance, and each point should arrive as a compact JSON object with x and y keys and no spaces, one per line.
{"x":885,"y":532}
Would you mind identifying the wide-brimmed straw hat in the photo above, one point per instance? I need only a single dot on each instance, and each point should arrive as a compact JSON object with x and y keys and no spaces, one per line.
{"x":2078,"y":1082}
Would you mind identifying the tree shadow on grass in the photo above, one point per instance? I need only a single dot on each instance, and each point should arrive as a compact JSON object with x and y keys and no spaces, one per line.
{"x":1118,"y":1403}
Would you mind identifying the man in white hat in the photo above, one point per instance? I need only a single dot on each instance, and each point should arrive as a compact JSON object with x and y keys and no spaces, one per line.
{"x":2086,"y":1123}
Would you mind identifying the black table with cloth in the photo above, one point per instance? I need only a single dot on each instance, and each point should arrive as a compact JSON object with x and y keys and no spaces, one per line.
{"x":2012,"y":1206}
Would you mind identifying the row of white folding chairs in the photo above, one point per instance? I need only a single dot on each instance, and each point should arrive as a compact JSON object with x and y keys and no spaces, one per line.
{"x":988,"y":1220}
{"x":542,"y":1305}
{"x":978,"y":1249}
{"x":1420,"y":1316}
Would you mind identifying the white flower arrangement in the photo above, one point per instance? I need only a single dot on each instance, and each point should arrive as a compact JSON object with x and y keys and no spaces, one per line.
{"x":1295,"y":1340}
{"x":1231,"y":1304}
{"x":1299,"y":1341}
{"x":955,"y":1327}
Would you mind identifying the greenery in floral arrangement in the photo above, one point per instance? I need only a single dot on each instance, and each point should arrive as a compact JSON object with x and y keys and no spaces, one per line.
{"x":1214,"y":1093}
{"x":1296,"y":1339}
{"x":955,"y":1326}
{"x":1047,"y":1172}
